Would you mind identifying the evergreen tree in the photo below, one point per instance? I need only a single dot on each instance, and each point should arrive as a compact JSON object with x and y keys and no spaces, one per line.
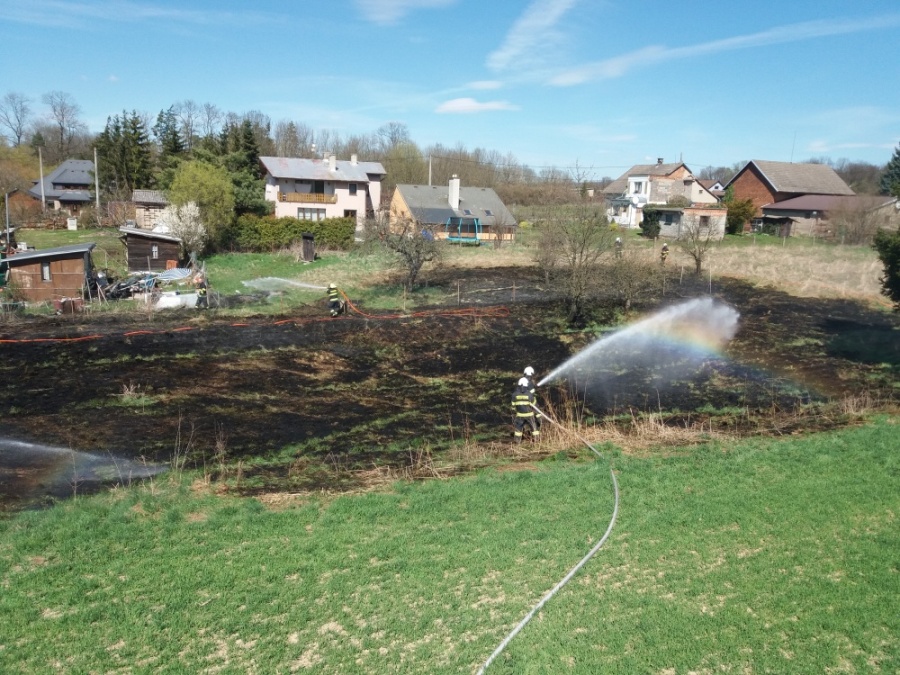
{"x":167,"y":134}
{"x":124,"y":155}
{"x":888,"y":246}
{"x":890,"y":179}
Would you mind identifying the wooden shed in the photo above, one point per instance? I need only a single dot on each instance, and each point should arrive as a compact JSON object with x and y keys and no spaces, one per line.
{"x":149,"y":251}
{"x":51,"y":273}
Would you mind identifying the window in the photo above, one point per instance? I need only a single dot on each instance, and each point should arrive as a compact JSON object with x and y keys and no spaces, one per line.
{"x":704,"y":221}
{"x":352,"y":188}
{"x":310,"y":214}
{"x":467,"y":212}
{"x":638,"y":187}
{"x":45,"y":271}
{"x":349,"y":213}
{"x":154,"y":251}
{"x":488,"y":212}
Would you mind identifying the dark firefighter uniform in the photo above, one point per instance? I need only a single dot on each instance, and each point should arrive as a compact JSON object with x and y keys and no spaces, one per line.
{"x":522,"y":400}
{"x":202,"y":299}
{"x":334,"y":300}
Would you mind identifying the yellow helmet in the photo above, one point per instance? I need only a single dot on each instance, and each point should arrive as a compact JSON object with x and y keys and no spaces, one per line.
{"x":332,"y":286}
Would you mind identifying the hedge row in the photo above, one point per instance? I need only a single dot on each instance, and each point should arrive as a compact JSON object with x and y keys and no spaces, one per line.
{"x":262,"y":234}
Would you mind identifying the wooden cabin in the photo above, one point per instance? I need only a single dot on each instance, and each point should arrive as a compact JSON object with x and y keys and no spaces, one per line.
{"x":149,"y":251}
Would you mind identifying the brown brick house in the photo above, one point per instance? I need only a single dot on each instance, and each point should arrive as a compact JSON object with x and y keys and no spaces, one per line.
{"x":766,"y":182}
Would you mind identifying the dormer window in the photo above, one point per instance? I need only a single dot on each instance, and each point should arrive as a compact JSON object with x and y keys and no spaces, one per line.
{"x":638,"y":187}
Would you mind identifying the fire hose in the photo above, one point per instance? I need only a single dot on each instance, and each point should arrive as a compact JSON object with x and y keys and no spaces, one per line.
{"x":534,"y":610}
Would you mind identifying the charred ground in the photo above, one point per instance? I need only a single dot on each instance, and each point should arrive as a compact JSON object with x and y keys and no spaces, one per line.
{"x":293,"y":395}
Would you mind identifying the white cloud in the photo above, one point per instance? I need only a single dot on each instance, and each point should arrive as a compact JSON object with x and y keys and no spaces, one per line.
{"x":390,"y":11}
{"x":113,"y":78}
{"x":532,"y":29}
{"x":620,"y":65}
{"x":470,"y":105}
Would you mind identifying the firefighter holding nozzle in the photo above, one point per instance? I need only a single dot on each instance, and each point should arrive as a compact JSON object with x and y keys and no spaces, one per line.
{"x":334,"y":300}
{"x":522,"y":402}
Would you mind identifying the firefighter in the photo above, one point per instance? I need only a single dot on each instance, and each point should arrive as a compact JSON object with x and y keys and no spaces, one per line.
{"x":663,"y":254}
{"x":618,"y":247}
{"x":529,"y":375}
{"x":202,"y":290}
{"x":522,"y":402}
{"x":334,"y":300}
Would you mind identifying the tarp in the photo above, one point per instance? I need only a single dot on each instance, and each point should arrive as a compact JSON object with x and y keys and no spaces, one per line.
{"x":174,"y":274}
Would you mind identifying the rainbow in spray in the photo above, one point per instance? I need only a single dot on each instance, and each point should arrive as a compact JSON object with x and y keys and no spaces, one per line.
{"x":671,"y":345}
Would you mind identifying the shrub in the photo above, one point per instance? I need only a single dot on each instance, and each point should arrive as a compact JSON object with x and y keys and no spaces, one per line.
{"x":261,"y":234}
{"x":650,"y":223}
{"x":888,"y":246}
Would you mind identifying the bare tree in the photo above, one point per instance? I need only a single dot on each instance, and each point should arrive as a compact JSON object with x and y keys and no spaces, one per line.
{"x":292,"y":139}
{"x":15,"y":114}
{"x":572,"y":245}
{"x":696,"y":237}
{"x":210,"y":119}
{"x":855,"y":220}
{"x":64,"y":113}
{"x":189,"y":113}
{"x":392,"y":134}
{"x":411,"y":243}
{"x":632,"y":276}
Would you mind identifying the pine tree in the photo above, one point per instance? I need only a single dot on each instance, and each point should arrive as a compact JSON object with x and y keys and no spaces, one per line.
{"x":890,"y":179}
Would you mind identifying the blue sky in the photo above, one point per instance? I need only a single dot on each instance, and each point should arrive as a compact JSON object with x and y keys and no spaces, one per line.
{"x":601,"y":84}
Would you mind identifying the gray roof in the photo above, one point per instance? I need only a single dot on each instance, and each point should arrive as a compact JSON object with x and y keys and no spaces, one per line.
{"x":817,"y":179}
{"x":58,"y":252}
{"x":72,"y":172}
{"x":149,"y":197}
{"x":320,"y":169}
{"x":620,"y":185}
{"x":430,"y":204}
{"x":150,"y":234}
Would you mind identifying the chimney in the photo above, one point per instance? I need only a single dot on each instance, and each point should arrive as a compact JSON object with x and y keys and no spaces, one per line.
{"x":659,"y":160}
{"x":353,"y":159}
{"x":454,"y":192}
{"x":332,"y":162}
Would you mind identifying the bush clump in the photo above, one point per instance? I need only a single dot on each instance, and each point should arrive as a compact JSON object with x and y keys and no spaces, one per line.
{"x":264,"y":234}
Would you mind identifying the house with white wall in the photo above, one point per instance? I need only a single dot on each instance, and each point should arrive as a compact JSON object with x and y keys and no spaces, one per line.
{"x":658,"y":184}
{"x":316,"y":189}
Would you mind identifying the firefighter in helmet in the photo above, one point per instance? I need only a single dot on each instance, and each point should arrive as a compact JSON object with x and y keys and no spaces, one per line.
{"x":663,"y":253}
{"x":334,"y":300}
{"x":202,"y":292}
{"x":528,"y":374}
{"x":522,"y":403}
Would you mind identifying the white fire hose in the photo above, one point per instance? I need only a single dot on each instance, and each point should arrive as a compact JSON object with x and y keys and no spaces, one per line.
{"x":577,"y":567}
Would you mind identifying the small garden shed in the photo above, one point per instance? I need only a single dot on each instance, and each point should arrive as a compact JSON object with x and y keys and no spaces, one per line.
{"x":149,"y":251}
{"x":51,"y":273}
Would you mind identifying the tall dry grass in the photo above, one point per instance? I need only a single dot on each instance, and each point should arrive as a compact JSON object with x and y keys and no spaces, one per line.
{"x":812,"y":271}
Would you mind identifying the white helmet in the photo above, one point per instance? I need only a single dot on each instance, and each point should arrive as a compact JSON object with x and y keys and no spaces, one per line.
{"x":332,"y":285}
{"x":529,"y":371}
{"x":523,"y":382}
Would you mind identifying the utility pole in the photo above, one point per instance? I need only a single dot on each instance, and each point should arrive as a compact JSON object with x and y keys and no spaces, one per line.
{"x":43,"y":196}
{"x":97,"y":182}
{"x":429,"y":170}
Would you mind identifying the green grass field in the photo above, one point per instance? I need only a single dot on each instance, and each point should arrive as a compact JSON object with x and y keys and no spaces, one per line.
{"x":755,"y":556}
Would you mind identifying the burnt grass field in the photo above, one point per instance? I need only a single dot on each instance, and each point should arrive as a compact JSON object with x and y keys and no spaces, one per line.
{"x":302,"y":402}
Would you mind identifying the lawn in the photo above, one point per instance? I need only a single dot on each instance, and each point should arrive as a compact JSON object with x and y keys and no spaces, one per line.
{"x":753,"y":556}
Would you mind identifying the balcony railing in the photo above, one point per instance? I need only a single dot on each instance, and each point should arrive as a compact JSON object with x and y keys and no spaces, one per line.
{"x":307,"y":198}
